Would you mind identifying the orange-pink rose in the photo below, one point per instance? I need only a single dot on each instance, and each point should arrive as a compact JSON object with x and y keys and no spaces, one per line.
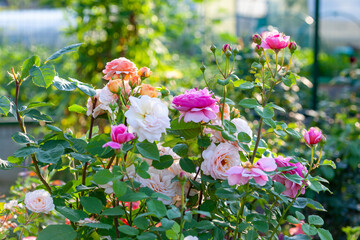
{"x":117,"y":67}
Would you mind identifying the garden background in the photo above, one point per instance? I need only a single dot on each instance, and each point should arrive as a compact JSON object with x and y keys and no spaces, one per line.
{"x":173,"y":37}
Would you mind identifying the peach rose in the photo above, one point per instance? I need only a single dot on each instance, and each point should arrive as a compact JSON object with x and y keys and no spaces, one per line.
{"x":39,"y":201}
{"x":147,"y":89}
{"x":117,"y":67}
{"x":218,"y":159}
{"x":144,"y":72}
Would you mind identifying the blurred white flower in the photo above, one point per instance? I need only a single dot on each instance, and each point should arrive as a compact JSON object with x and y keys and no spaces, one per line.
{"x":103,"y":100}
{"x":12,"y":204}
{"x":108,"y":187}
{"x":87,"y":220}
{"x":191,"y":238}
{"x":148,"y":118}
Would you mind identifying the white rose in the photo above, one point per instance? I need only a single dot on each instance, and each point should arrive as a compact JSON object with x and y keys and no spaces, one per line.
{"x":242,"y":126}
{"x":108,"y":187}
{"x":148,"y":118}
{"x":160,"y":181}
{"x":39,"y":201}
{"x":218,"y":159}
{"x":191,"y":238}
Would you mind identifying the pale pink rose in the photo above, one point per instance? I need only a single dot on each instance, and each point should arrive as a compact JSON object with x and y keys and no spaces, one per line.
{"x":297,"y":229}
{"x":196,"y":105}
{"x":104,"y":97}
{"x":148,"y":118}
{"x":39,"y":201}
{"x":241,"y":175}
{"x":167,"y":151}
{"x":117,"y":67}
{"x":274,"y":41}
{"x":313,"y":136}
{"x":160,"y":181}
{"x":29,"y":238}
{"x":119,"y":135}
{"x":291,"y":187}
{"x":219,"y":159}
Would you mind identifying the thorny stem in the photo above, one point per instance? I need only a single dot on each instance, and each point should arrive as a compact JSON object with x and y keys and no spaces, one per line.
{"x":23,"y":129}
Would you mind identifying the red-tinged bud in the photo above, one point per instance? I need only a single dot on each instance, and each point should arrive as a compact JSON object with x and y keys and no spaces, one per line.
{"x":258,"y":49}
{"x":226,"y":48}
{"x":292,"y":47}
{"x":256,"y":39}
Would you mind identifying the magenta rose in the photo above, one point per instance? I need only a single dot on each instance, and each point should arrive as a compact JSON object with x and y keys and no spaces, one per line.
{"x":312,"y":136}
{"x":196,"y":105}
{"x":274,"y":41}
{"x":241,"y":175}
{"x":119,"y":135}
{"x":291,"y":187}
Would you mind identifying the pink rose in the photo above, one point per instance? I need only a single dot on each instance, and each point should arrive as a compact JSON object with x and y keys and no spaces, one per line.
{"x":291,"y":187}
{"x":196,"y":105}
{"x":119,"y":135}
{"x":218,"y":159}
{"x":313,"y":136}
{"x":274,"y":41}
{"x":117,"y":67}
{"x":241,"y":175}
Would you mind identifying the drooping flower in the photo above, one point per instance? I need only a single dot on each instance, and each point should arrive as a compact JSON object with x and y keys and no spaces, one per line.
{"x":117,"y":67}
{"x":147,"y":89}
{"x":119,"y":135}
{"x":148,"y":118}
{"x":219,"y":159}
{"x":103,"y":98}
{"x":241,"y":175}
{"x":274,"y":41}
{"x":39,"y":201}
{"x":291,"y":187}
{"x":196,"y":105}
{"x":297,"y":229}
{"x":313,"y":136}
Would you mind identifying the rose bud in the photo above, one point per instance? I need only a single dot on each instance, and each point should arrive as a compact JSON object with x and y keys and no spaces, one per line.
{"x":114,"y":85}
{"x":292,"y":47}
{"x":144,"y":72}
{"x":256,"y":39}
{"x":226,"y":48}
{"x":213,"y":48}
{"x":313,"y":136}
{"x":258,"y":49}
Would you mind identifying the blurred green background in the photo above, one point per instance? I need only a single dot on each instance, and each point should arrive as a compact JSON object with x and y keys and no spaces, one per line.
{"x":173,"y":37}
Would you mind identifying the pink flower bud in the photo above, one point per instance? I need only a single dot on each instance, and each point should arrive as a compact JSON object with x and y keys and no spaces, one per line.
{"x":226,"y":47}
{"x":258,"y":49}
{"x":313,"y":136}
{"x":119,"y":135}
{"x":292,"y":47}
{"x":256,"y":39}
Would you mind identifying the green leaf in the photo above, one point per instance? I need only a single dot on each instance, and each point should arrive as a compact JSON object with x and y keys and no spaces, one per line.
{"x":204,"y":225}
{"x":22,"y":138}
{"x":5,"y":105}
{"x":261,"y":226}
{"x":95,"y":148}
{"x":53,"y":128}
{"x":280,"y":133}
{"x":146,"y":236}
{"x":72,"y":214}
{"x":300,"y":202}
{"x":187,"y":165}
{"x":120,"y":188}
{"x":181,"y":149}
{"x":244,"y":85}
{"x":103,"y":176}
{"x":315,"y":220}
{"x":57,"y":232}
{"x":91,"y":204}
{"x":128,"y":230}
{"x":148,"y":150}
{"x":116,"y":211}
{"x":273,"y":105}
{"x":249,"y":103}
{"x":229,"y":126}
{"x":50,"y":156}
{"x":173,"y":213}
{"x":324,"y":234}
{"x":299,"y":215}
{"x":293,"y":133}
{"x":25,"y":151}
{"x":228,"y":136}
{"x":27,"y":65}
{"x":251,"y":235}
{"x":223,"y":82}
{"x":315,"y":205}
{"x":165,"y":162}
{"x":292,"y":219}
{"x":166,"y":223}
{"x":308,"y":229}
{"x":85,"y":88}
{"x":243,"y":137}
{"x":99,"y":225}
{"x":77,"y":108}
{"x":70,"y":48}
{"x":294,"y":178}
{"x":316,"y":186}
{"x":39,"y":104}
{"x":329,"y":163}
{"x":141,"y":222}
{"x":156,"y":207}
{"x":187,"y":130}
{"x":270,"y":122}
{"x":35,"y":114}
{"x":42,"y":76}
{"x":142,"y":170}
{"x":15,"y":160}
{"x":289,"y":79}
{"x":82,"y":157}
{"x":63,"y":84}
{"x":266,"y":112}
{"x":278,"y":187}
{"x":131,"y":196}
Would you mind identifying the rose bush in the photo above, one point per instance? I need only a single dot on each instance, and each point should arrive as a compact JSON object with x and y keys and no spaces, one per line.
{"x":198,"y":171}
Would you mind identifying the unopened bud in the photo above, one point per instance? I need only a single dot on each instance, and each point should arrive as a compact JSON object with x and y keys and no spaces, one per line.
{"x":256,"y":39}
{"x":322,"y":141}
{"x":228,"y":53}
{"x":202,"y":68}
{"x":226,"y":48}
{"x":236,"y":51}
{"x":262,"y":61}
{"x":258,"y":49}
{"x":292,"y":47}
{"x":164,"y":92}
{"x":114,"y":85}
{"x":144,"y":72}
{"x":213,"y":48}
